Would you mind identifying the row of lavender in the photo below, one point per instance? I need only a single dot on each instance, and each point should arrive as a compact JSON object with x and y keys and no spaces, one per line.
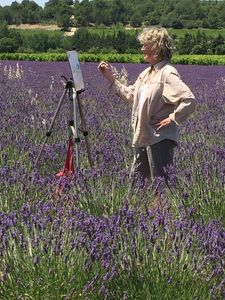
{"x":94,"y":236}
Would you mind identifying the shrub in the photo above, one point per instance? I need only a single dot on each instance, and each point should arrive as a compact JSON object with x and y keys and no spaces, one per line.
{"x":220,"y":49}
{"x":8,"y":45}
{"x":198,"y":49}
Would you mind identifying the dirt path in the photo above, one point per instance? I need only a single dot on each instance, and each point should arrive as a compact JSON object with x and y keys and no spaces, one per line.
{"x":35,"y":26}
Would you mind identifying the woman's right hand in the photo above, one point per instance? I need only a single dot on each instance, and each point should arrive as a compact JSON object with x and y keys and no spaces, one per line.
{"x":106,"y":71}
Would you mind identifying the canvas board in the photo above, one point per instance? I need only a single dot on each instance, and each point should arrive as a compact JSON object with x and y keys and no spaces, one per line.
{"x":72,"y":57}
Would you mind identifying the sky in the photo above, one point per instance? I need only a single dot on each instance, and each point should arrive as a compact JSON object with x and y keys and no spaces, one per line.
{"x":9,"y":2}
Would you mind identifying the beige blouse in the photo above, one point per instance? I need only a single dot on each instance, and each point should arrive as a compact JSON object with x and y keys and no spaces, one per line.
{"x":165,"y":96}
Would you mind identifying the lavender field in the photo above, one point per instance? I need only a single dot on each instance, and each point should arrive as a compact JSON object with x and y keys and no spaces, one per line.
{"x":100,"y":237}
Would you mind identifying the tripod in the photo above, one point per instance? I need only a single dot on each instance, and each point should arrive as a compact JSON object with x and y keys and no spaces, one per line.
{"x":75,"y":105}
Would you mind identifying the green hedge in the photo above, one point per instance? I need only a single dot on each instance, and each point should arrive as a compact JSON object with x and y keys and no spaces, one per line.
{"x":122,"y":58}
{"x":34,"y":56}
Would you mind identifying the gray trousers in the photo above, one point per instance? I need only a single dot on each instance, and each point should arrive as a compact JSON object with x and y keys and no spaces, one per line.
{"x":150,"y":162}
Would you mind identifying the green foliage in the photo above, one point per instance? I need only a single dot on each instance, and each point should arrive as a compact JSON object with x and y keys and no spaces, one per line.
{"x":115,"y":57}
{"x":62,"y":16}
{"x":198,"y":49}
{"x":41,"y":40}
{"x":9,"y":40}
{"x":34,"y":56}
{"x":7,"y":45}
{"x":117,"y":41}
{"x":82,"y":39}
{"x":199,"y":43}
{"x":104,"y":40}
{"x":171,"y":13}
{"x":125,"y":41}
{"x":26,"y":12}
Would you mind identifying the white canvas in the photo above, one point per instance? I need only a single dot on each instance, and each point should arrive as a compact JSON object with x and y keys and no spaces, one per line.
{"x":72,"y":57}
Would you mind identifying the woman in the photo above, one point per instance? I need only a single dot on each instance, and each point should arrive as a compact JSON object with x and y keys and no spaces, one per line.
{"x":160,"y":101}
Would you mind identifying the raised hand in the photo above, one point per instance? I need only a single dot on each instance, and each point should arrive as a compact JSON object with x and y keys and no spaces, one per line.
{"x":106,"y":71}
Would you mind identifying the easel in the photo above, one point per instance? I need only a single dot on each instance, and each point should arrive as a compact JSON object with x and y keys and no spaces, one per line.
{"x":73,"y":89}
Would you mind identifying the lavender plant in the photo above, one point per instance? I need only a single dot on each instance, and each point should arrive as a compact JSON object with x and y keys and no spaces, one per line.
{"x":92,"y":235}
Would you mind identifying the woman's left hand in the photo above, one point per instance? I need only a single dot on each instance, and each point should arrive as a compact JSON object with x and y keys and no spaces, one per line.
{"x":163,"y":123}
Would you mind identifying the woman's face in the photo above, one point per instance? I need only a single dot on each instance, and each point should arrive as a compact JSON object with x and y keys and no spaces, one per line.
{"x":150,"y":53}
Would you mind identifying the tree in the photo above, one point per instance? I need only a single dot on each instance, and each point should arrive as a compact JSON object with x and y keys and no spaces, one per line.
{"x":185,"y":44}
{"x":50,"y":9}
{"x":171,"y":20}
{"x":63,"y":21}
{"x":6,"y":16}
{"x":16,"y":13}
{"x":189,"y":7}
{"x":152,"y":18}
{"x":136,"y":20}
{"x":101,"y":12}
{"x":3,"y":30}
{"x":83,"y":13}
{"x":118,"y":12}
{"x":168,"y":13}
{"x":221,"y":15}
{"x":30,"y":12}
{"x":63,"y":16}
{"x":82,"y":40}
{"x":213,"y":19}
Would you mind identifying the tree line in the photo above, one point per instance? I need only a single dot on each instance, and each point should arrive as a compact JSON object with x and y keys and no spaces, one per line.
{"x":167,"y":13}
{"x":119,"y":41}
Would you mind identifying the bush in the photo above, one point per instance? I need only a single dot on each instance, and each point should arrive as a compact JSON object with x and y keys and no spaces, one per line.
{"x":97,"y":50}
{"x":57,"y":50}
{"x":177,"y":24}
{"x":198,"y":49}
{"x":220,"y":49}
{"x":25,"y":50}
{"x":192,"y":23}
{"x":115,"y":57}
{"x":8,"y":45}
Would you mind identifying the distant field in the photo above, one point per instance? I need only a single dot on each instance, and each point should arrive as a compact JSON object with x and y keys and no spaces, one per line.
{"x":27,"y":29}
{"x":52,"y":29}
{"x":177,"y":32}
{"x":53,"y":33}
{"x":49,"y":27}
{"x":209,"y":32}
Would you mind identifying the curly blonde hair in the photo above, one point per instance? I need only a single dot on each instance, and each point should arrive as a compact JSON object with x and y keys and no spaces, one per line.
{"x":158,"y":38}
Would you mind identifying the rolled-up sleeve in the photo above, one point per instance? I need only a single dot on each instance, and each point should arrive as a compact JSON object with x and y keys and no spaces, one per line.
{"x":176,"y":92}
